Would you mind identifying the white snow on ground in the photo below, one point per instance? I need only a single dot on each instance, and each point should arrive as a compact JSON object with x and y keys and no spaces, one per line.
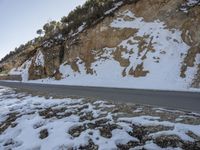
{"x":163,"y":64}
{"x":28,"y":116}
{"x":166,"y":72}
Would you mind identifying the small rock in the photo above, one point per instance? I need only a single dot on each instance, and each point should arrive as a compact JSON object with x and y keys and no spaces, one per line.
{"x":44,"y":134}
{"x":129,"y":145}
{"x":191,"y":145}
{"x":76,"y":131}
{"x":90,"y":146}
{"x":106,"y":130}
{"x":168,"y":141}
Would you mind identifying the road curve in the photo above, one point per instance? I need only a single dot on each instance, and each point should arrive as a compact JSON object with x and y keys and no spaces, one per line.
{"x":188,"y":101}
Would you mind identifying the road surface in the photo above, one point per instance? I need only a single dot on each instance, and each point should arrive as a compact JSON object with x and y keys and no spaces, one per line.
{"x":188,"y":101}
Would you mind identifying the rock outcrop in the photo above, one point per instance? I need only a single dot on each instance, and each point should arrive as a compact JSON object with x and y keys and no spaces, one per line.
{"x":154,"y":39}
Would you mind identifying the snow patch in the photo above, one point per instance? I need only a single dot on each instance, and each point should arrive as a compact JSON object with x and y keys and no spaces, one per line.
{"x":39,"y":61}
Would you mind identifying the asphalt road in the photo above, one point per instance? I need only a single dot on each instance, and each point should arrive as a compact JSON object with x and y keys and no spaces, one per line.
{"x":188,"y":101}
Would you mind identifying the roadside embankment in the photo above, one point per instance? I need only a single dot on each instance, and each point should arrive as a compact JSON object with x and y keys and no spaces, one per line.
{"x":11,"y":77}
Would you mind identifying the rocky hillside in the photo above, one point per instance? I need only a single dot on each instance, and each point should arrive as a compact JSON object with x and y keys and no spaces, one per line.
{"x":135,"y":43}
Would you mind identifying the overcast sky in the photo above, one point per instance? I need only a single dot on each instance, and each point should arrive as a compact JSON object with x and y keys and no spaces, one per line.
{"x":19,"y":19}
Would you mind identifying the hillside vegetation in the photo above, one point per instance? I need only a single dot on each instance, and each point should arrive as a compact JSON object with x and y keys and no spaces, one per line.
{"x":87,"y":15}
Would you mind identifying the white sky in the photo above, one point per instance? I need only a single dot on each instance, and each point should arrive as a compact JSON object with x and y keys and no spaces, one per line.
{"x":19,"y":19}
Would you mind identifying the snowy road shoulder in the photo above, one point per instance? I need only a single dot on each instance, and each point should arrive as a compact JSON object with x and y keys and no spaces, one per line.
{"x":28,"y":122}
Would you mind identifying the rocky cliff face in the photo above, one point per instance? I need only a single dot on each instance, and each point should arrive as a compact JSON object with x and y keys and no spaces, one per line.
{"x":154,"y":43}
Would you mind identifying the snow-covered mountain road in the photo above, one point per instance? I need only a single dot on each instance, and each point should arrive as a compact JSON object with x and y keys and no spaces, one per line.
{"x":189,"y":101}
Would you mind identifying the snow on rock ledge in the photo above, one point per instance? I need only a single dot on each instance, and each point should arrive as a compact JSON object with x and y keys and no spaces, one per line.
{"x":152,"y":59}
{"x":39,"y":61}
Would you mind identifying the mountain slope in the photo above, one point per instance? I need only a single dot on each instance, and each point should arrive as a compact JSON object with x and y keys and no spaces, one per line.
{"x":142,"y":44}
